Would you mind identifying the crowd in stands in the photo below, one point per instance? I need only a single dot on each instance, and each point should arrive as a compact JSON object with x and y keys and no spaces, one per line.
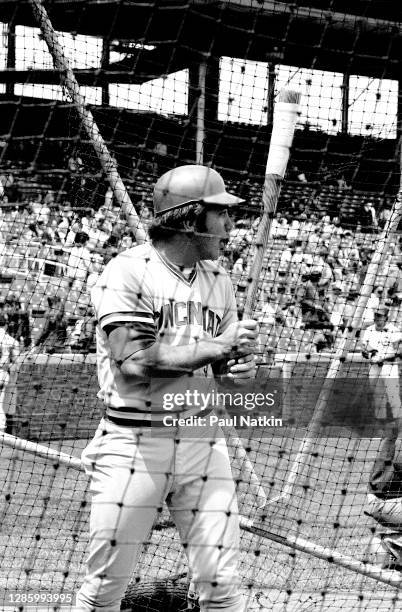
{"x":51,"y":254}
{"x":312,"y":276}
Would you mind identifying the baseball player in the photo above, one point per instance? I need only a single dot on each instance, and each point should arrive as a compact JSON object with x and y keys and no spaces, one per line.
{"x":166,"y":312}
{"x":384,"y":500}
{"x":9,"y":351}
{"x":381,"y":345}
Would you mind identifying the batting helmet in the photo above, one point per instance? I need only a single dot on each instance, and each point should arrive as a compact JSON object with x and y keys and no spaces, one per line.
{"x":192,"y":183}
{"x":381,"y":311}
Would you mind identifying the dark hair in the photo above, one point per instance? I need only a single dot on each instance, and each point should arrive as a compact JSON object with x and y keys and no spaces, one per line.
{"x":111,"y":242}
{"x":176,"y":221}
{"x":81,"y":238}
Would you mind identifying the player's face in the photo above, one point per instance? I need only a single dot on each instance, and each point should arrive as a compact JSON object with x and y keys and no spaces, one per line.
{"x":380,"y":321}
{"x":213,"y":240}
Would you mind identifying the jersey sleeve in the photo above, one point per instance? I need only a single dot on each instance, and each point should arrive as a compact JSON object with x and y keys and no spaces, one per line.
{"x":121,"y":294}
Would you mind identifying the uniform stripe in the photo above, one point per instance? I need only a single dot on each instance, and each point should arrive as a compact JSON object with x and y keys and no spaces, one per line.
{"x":125,"y":317}
{"x":124,"y":410}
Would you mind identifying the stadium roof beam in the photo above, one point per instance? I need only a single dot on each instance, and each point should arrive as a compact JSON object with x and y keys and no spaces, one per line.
{"x":320,"y":15}
{"x":89,"y":78}
{"x":308,"y":34}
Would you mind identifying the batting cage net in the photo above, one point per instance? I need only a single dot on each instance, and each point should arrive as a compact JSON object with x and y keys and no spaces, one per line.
{"x":97,"y":102}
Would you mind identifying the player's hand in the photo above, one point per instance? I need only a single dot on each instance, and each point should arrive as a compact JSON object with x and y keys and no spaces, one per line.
{"x":239,"y":339}
{"x":242,"y":368}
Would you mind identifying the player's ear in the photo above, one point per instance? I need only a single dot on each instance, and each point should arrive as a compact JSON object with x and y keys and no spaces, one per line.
{"x":189,"y":225}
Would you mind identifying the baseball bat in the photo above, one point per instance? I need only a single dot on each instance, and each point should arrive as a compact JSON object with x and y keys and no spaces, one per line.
{"x":284,"y":123}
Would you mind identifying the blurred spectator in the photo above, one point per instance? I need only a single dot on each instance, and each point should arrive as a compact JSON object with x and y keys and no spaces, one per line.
{"x":54,"y":334}
{"x":292,"y":316}
{"x":82,"y":336}
{"x":293,"y":231}
{"x":110,"y":249}
{"x":43,"y":213}
{"x":239,"y":267}
{"x":336,"y":303}
{"x":9,"y":191}
{"x":268,"y":310}
{"x":368,"y":218}
{"x":35,"y":206}
{"x":313,"y":306}
{"x":279,"y":226}
{"x":68,"y":222}
{"x":44,"y":233}
{"x":341,"y":182}
{"x":75,"y":163}
{"x":9,"y":349}
{"x":395,"y":286}
{"x":307,"y":226}
{"x":160,"y":164}
{"x":391,"y":276}
{"x":109,"y":198}
{"x":373,"y":303}
{"x":2,"y":189}
{"x":97,"y":233}
{"x":48,"y":200}
{"x":384,"y":216}
{"x":381,"y":344}
{"x":79,"y":260}
{"x":18,"y":326}
{"x":97,"y":264}
{"x":350,"y":306}
{"x":240,"y":237}
{"x":145,"y":213}
{"x":348,"y":253}
{"x":326,"y":227}
{"x":119,"y":222}
{"x":76,"y":181}
{"x":126,"y":241}
{"x":320,"y":262}
{"x":337,"y":230}
{"x":295,"y":174}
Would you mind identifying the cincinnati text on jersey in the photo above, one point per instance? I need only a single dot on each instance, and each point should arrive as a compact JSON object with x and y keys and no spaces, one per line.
{"x":178,"y":314}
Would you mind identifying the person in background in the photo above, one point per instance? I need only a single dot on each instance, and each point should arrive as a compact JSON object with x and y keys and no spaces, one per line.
{"x":82,"y":336}
{"x":97,"y":233}
{"x":97,"y":264}
{"x":9,"y":348}
{"x":368,"y":218}
{"x":384,"y":498}
{"x":54,"y":334}
{"x":373,"y":303}
{"x":18,"y":325}
{"x":381,"y":345}
{"x":336,"y":301}
{"x":79,"y":260}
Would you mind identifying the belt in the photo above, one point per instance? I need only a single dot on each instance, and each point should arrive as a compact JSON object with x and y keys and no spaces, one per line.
{"x":153,"y":422}
{"x":134,"y":422}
